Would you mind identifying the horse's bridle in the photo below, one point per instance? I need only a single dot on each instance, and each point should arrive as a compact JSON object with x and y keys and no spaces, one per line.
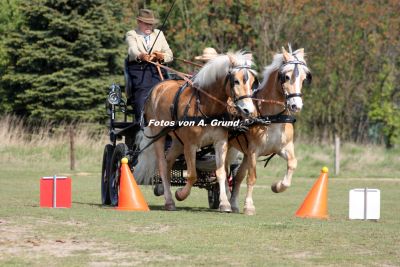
{"x":295,"y":73}
{"x":231,"y":78}
{"x":282,"y":80}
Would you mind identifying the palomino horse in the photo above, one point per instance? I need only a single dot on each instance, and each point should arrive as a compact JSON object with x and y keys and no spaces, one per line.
{"x":278,"y":96}
{"x":225,"y":79}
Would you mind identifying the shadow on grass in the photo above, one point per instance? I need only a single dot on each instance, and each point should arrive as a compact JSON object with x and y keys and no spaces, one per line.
{"x":187,"y":209}
{"x":98,"y":205}
{"x":155,"y":208}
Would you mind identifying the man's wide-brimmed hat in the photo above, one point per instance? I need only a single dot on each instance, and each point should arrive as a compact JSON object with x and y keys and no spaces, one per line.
{"x":208,"y":53}
{"x":147,"y":16}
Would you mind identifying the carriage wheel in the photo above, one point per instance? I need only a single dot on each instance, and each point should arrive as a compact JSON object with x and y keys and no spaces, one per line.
{"x":105,"y":174}
{"x":232,"y":177}
{"x":213,"y":196}
{"x":213,"y":192}
{"x":120,"y":151}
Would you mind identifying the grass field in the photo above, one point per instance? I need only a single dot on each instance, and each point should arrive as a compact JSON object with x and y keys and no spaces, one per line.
{"x":91,"y":235}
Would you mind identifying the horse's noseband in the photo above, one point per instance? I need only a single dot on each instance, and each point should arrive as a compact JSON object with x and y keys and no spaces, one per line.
{"x":293,"y":95}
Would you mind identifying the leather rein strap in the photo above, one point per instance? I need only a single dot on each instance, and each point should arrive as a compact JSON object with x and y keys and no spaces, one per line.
{"x":185,"y":76}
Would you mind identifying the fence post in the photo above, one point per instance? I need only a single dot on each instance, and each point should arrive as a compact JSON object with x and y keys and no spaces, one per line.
{"x":337,"y":154}
{"x":71,"y":148}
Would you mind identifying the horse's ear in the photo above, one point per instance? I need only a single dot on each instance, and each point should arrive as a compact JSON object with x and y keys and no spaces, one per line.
{"x":286,"y":55}
{"x":300,"y":52}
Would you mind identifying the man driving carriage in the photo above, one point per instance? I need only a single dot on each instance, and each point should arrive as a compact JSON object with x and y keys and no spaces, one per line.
{"x":143,"y":47}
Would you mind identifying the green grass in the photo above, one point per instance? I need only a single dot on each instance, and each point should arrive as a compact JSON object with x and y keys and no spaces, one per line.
{"x":91,"y":235}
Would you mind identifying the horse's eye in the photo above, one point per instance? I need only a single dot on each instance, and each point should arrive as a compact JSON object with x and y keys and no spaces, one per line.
{"x":287,"y":78}
{"x":237,"y":82}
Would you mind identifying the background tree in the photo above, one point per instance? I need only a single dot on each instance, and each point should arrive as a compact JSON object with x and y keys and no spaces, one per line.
{"x":66,"y":54}
{"x":62,"y":59}
{"x":9,"y":21}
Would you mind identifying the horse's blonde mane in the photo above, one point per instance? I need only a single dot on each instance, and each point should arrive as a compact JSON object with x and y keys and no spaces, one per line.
{"x":219,"y":67}
{"x":277,"y":63}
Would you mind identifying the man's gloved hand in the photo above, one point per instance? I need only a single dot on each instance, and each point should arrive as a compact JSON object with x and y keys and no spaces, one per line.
{"x":155,"y":56}
{"x":144,"y":57}
{"x":159,"y":56}
{"x":147,"y":57}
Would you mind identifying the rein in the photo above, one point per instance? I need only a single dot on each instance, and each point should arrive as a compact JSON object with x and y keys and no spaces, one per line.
{"x":185,"y":76}
{"x":189,"y":62}
{"x":275,"y":102}
{"x":182,"y":75}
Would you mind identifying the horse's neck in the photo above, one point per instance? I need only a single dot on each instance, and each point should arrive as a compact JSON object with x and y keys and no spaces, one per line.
{"x":272,"y":93}
{"x":208,"y":105}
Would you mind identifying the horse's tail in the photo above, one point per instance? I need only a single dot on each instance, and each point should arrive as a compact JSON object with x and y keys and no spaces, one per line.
{"x":146,"y":166}
{"x":233,"y":157}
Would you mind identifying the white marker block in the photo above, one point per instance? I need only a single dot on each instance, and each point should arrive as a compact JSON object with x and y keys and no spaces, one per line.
{"x":364,"y":204}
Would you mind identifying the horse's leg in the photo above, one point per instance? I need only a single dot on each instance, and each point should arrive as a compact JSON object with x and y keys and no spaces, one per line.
{"x":249,"y":208}
{"x":288,"y":154}
{"x":221,"y":149}
{"x":190,"y":158}
{"x":175,"y":150}
{"x":236,"y":185}
{"x":163,"y":170}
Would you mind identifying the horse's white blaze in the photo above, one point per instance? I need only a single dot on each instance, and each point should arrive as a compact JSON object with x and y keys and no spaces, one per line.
{"x":248,"y":87}
{"x":247,"y":103}
{"x":296,"y":102}
{"x":297,"y":84}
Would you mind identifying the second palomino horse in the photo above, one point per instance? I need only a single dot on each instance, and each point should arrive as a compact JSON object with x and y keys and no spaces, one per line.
{"x":278,"y":96}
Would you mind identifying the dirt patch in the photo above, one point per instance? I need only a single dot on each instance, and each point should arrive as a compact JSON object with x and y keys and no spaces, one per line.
{"x":130,"y":258}
{"x":150,"y":229}
{"x":303,"y":255}
{"x":52,"y":221}
{"x":22,"y":242}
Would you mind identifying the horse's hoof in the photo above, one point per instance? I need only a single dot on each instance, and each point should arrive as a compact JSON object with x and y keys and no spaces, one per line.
{"x":225,"y":208}
{"x":235,"y":210}
{"x":278,"y":187}
{"x":170,"y":206}
{"x":158,"y":190}
{"x":274,"y":188}
{"x":179,"y":195}
{"x":249,"y":211}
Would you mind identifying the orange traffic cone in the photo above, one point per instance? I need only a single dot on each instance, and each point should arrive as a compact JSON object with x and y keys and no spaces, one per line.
{"x":315,"y":203}
{"x":130,"y":197}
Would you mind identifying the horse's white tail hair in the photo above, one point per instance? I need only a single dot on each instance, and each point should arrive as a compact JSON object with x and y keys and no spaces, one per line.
{"x":146,"y":166}
{"x":233,"y":156}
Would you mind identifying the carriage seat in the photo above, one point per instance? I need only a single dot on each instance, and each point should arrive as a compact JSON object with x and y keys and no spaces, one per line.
{"x":128,"y":83}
